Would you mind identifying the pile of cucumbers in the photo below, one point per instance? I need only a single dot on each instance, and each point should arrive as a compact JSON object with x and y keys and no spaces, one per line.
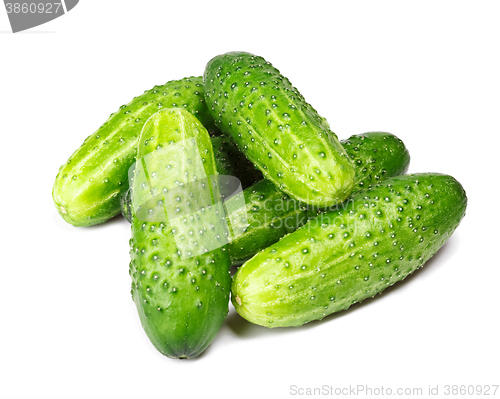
{"x":236,"y":168}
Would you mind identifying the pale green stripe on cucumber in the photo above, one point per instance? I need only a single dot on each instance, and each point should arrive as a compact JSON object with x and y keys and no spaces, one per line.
{"x":344,"y":256}
{"x":276,"y":129}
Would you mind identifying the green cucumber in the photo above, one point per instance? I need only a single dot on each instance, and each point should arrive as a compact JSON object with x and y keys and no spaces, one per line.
{"x":88,"y":186}
{"x":342,"y":257}
{"x":229,"y":162}
{"x":271,"y":214}
{"x":126,"y":205}
{"x":179,"y":262}
{"x":276,"y":129}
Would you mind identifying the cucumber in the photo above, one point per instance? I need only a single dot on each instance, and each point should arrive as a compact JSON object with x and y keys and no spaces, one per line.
{"x":88,"y":186}
{"x":376,"y":156}
{"x":268,"y":215}
{"x":179,"y":262}
{"x":229,"y":162}
{"x":276,"y":129}
{"x":342,"y":257}
{"x":271,"y":214}
{"x":126,"y":205}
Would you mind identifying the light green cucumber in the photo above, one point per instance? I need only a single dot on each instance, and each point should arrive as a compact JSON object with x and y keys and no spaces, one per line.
{"x":276,"y":129}
{"x":344,"y":256}
{"x":179,"y":262}
{"x":88,"y":186}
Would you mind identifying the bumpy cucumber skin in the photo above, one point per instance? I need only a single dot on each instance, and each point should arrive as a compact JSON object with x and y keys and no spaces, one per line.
{"x":271,"y":214}
{"x":229,"y":161}
{"x":345,"y":256}
{"x":276,"y":129}
{"x":88,"y":186}
{"x":181,"y":303}
{"x":376,"y":156}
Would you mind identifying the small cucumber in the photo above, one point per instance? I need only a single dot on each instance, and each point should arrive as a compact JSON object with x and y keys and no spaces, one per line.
{"x":342,"y":257}
{"x":276,"y":129}
{"x":271,"y":214}
{"x":179,"y":263}
{"x":88,"y":186}
{"x":229,"y":162}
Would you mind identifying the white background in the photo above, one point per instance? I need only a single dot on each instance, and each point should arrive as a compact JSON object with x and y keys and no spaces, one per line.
{"x":425,"y":71}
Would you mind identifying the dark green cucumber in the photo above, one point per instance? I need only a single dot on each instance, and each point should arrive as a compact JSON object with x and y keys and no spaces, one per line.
{"x":342,"y":257}
{"x":229,"y":162}
{"x":376,"y":156}
{"x":271,"y":214}
{"x":276,"y":129}
{"x":126,"y":205}
{"x":179,"y":263}
{"x":88,"y":186}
